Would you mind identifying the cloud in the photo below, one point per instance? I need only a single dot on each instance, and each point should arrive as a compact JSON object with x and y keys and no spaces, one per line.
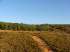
{"x":8,"y":16}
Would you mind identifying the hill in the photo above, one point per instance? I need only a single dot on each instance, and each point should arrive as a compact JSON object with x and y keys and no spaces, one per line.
{"x":58,"y":37}
{"x":15,"y":37}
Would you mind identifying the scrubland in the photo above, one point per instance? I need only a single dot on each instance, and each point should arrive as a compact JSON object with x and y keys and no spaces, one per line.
{"x":56,"y":37}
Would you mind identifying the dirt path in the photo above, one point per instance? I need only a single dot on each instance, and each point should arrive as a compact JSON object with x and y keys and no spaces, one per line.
{"x":41,"y":44}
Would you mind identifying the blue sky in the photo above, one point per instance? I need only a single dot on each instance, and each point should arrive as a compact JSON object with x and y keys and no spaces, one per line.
{"x":35,"y":11}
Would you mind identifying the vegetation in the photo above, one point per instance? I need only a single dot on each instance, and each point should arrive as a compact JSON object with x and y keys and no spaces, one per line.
{"x":57,"y":37}
{"x":17,"y":42}
{"x":24,"y":27}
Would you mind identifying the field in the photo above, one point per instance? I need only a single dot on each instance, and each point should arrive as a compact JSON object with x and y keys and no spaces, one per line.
{"x":35,"y":38}
{"x":59,"y":37}
{"x":17,"y":42}
{"x":21,"y":41}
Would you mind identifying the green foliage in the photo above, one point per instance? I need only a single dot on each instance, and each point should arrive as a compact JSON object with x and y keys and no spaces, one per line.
{"x":24,"y":27}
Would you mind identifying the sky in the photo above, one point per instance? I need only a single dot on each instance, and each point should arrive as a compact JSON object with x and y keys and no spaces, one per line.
{"x":35,"y":11}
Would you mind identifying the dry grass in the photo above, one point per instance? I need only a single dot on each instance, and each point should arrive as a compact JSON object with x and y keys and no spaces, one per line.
{"x":58,"y":41}
{"x":17,"y":42}
{"x":21,"y":41}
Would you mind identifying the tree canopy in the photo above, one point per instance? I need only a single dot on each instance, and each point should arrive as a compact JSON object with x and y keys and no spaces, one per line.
{"x":24,"y":27}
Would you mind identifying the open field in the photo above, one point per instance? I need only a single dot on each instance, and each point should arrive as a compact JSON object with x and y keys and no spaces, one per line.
{"x":16,"y":37}
{"x":58,"y":37}
{"x":22,"y":41}
{"x":17,"y":42}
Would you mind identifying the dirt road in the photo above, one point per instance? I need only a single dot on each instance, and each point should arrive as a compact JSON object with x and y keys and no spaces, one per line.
{"x":41,"y":44}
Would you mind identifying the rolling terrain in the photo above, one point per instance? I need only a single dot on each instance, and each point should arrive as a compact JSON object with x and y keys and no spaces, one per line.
{"x":22,"y":41}
{"x":16,"y":37}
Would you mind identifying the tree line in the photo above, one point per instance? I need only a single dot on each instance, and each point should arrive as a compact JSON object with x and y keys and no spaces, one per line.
{"x":24,"y":27}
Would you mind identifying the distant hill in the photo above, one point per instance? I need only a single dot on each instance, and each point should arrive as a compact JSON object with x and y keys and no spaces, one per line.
{"x":59,"y":27}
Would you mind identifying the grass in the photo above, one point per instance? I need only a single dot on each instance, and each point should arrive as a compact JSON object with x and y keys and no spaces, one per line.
{"x":21,"y":41}
{"x":59,"y":42}
{"x":17,"y":42}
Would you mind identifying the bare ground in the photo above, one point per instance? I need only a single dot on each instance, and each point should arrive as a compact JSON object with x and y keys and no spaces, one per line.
{"x":41,"y":44}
